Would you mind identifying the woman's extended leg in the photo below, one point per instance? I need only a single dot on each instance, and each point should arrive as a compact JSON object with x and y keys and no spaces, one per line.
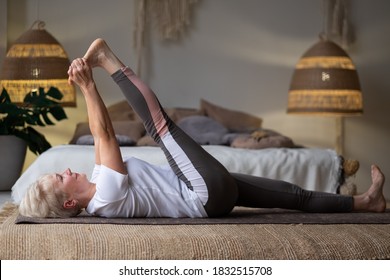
{"x":200,"y":171}
{"x":267,"y":193}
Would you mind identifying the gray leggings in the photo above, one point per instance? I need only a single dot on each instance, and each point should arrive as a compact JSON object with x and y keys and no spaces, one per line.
{"x":218,"y":189}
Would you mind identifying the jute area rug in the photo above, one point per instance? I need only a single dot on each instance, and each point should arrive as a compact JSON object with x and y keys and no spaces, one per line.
{"x":233,"y":238}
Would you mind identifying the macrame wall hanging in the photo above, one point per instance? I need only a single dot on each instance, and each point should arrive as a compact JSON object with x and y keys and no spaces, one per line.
{"x":170,"y":18}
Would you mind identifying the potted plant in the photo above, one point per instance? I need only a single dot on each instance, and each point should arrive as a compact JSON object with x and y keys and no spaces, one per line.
{"x":16,"y":129}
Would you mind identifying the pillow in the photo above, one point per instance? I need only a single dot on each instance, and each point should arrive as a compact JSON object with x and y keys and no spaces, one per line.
{"x":204,"y":130}
{"x":230,"y":137}
{"x":176,"y":114}
{"x":235,"y":121}
{"x":273,"y":141}
{"x":257,"y":135}
{"x":132,"y":129}
{"x":146,"y":140}
{"x":123,"y":140}
{"x":121,"y":111}
{"x":82,"y":129}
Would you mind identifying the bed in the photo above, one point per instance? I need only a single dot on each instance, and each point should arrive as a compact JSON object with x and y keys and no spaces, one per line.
{"x":235,"y":138}
{"x":245,"y":148}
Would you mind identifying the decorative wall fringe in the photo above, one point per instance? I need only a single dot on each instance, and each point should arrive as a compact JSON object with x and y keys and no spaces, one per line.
{"x":171,"y":19}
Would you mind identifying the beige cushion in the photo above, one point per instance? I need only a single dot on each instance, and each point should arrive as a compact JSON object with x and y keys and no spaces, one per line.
{"x":82,"y":129}
{"x":121,"y":111}
{"x":146,"y":140}
{"x":235,"y":121}
{"x":177,"y":114}
{"x":273,"y":141}
{"x":134,"y":130}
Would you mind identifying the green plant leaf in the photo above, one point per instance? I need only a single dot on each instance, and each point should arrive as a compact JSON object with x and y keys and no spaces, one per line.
{"x":46,"y":118}
{"x":36,"y":142}
{"x":54,"y":93}
{"x":4,"y":97}
{"x":6,"y":108}
{"x":37,"y":106}
{"x":58,"y":113}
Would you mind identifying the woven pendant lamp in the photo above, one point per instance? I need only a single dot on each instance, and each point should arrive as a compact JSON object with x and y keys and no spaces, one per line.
{"x":325,"y":81}
{"x":36,"y":59}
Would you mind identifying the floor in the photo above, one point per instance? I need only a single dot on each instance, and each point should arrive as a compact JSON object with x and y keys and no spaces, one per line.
{"x":5,"y":196}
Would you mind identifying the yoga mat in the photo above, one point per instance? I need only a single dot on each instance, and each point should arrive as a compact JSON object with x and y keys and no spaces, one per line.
{"x":239,"y":215}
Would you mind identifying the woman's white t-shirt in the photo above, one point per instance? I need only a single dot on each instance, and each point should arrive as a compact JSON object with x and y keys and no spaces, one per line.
{"x":147,"y":191}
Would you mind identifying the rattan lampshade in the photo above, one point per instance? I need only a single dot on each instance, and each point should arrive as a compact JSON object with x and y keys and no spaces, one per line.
{"x":325,"y":81}
{"x":36,"y":59}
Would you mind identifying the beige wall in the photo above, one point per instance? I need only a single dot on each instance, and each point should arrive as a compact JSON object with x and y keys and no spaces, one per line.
{"x":239,"y":54}
{"x":3,"y":29}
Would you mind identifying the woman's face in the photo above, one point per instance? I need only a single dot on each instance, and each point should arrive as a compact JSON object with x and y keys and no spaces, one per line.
{"x":70,"y":182}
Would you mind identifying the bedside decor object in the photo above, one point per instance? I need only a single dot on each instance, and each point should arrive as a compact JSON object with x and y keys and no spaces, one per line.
{"x":325,"y":80}
{"x":17,"y":132}
{"x":36,"y":59}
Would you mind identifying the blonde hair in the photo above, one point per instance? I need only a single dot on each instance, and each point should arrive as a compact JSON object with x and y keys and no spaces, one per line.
{"x":44,"y":200}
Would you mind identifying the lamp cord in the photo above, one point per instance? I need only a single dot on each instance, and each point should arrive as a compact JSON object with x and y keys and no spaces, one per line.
{"x":39,"y":24}
{"x":37,"y":9}
{"x":336,"y":23}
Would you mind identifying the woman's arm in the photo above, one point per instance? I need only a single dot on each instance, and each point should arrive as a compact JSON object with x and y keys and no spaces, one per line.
{"x":107,"y":150}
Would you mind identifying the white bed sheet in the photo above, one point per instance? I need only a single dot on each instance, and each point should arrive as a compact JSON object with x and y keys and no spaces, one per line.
{"x":312,"y":169}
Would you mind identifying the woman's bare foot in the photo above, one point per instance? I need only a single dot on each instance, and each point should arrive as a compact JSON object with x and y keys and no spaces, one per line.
{"x":99,"y":54}
{"x":373,"y":199}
